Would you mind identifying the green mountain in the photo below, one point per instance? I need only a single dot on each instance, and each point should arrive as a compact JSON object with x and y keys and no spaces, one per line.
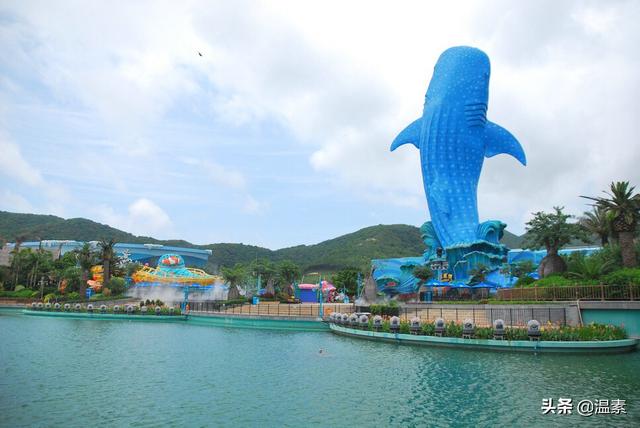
{"x":354,"y":249}
{"x":512,"y":240}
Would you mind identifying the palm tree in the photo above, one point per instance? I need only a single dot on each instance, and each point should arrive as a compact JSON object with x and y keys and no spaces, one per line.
{"x":598,"y":223}
{"x":15,"y":260}
{"x":107,"y":255}
{"x":233,"y":276}
{"x":623,"y":208}
{"x":86,"y":258}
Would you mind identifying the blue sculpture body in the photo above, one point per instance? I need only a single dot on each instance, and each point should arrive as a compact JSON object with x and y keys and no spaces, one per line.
{"x":454,"y":136}
{"x":394,"y":276}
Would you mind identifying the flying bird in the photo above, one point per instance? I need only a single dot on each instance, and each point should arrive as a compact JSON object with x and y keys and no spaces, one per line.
{"x":199,"y":54}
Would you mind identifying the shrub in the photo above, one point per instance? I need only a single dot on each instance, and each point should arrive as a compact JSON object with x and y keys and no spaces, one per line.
{"x":453,"y":330}
{"x":19,"y":288}
{"x":116,"y":285}
{"x":16,"y":294}
{"x":516,"y":334}
{"x":428,"y":329}
{"x":566,"y":333}
{"x":587,"y":267}
{"x":561,"y":281}
{"x":404,"y":327}
{"x":106,"y":292}
{"x":484,"y":333}
{"x":524,"y":281}
{"x":390,"y":309}
{"x":386,"y":326}
{"x":610,"y":253}
{"x":49,"y":297}
{"x":74,"y":295}
{"x":623,"y":277}
{"x":588,"y":332}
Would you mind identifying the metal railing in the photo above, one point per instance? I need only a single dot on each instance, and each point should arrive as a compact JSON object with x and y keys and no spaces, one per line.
{"x":578,"y":292}
{"x":306,"y":310}
{"x":484,"y":317}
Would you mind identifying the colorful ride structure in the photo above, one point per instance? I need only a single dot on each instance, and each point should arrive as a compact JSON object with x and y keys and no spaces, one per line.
{"x":171,"y":271}
{"x":310,"y":293}
{"x":97,"y":278}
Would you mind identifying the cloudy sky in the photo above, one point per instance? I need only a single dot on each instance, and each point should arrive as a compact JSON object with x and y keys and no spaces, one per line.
{"x":279,"y":133}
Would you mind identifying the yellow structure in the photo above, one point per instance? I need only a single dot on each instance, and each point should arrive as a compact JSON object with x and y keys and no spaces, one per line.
{"x":172,"y":271}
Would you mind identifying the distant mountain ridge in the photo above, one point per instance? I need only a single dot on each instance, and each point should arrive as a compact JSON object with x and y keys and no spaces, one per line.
{"x":353,"y":249}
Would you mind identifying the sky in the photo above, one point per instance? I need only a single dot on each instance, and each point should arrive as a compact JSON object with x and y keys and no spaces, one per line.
{"x":278,"y":134}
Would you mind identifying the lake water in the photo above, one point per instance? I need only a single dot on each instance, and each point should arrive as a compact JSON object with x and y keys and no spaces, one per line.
{"x":66,"y":372}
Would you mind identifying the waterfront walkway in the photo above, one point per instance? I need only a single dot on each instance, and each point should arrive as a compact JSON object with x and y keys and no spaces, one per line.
{"x":277,"y":309}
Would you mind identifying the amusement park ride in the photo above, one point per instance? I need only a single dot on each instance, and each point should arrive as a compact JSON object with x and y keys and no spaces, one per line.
{"x":172,"y":272}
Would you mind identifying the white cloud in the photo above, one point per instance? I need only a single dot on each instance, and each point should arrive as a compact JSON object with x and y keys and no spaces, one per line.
{"x":227,"y":179}
{"x":143,"y":217}
{"x":14,"y":166}
{"x":10,"y":201}
{"x":251,"y":205}
{"x":17,"y":170}
{"x":344,"y":83}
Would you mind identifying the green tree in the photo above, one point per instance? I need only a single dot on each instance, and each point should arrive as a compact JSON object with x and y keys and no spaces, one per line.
{"x":86,"y":258}
{"x":65,"y":261}
{"x":131,"y":268}
{"x":73,"y":276}
{"x":423,"y":273}
{"x":288,"y":272}
{"x":598,"y":223}
{"x":347,"y":279}
{"x":116,"y":285}
{"x":623,"y":208}
{"x":41,"y":267}
{"x":478,"y":274}
{"x":522,"y":269}
{"x":234,"y":276}
{"x":552,"y":231}
{"x":108,"y":256}
{"x":267,"y":272}
{"x":16,"y":259}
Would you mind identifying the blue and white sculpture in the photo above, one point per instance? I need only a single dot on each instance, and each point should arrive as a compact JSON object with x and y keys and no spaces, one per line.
{"x":454,"y":136}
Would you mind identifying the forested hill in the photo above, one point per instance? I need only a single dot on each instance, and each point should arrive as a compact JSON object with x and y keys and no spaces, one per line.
{"x":353,"y":249}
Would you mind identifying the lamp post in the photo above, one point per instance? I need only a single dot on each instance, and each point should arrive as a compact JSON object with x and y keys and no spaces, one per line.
{"x":41,"y":283}
{"x":320,"y":312}
{"x":186,"y":299}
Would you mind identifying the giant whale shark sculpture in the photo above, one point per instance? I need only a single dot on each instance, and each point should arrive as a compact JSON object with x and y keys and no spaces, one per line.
{"x":454,"y":136}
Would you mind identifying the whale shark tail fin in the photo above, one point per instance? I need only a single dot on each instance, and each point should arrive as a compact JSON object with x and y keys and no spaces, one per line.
{"x":409,"y":135}
{"x":499,"y":140}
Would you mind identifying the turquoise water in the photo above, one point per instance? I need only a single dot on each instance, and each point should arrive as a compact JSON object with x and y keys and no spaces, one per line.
{"x":68,"y":372}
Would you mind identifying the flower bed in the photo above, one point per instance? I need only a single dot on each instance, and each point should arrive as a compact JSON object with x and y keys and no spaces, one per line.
{"x":590,"y":332}
{"x":103,"y":309}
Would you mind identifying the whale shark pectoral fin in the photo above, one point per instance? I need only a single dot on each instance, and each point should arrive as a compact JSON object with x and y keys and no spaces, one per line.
{"x":409,"y":135}
{"x":499,"y":140}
